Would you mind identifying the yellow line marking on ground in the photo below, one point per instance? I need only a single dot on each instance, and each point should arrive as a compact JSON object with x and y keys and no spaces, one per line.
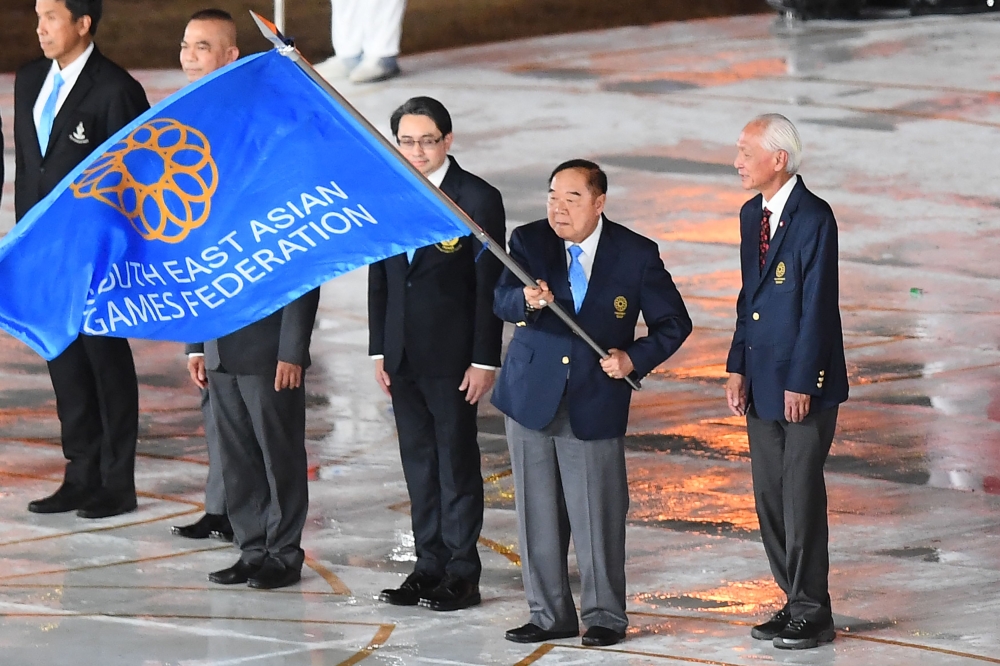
{"x":331,"y":578}
{"x":542,"y":650}
{"x":89,"y":567}
{"x":105,"y":528}
{"x":381,"y":636}
{"x":506,"y":551}
{"x":493,"y":478}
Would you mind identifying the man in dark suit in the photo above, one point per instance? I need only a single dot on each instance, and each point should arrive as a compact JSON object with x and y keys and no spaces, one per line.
{"x":66,"y":104}
{"x":567,"y":409}
{"x":209,"y":43}
{"x":437,"y":344}
{"x":255,"y":378}
{"x":787,"y":372}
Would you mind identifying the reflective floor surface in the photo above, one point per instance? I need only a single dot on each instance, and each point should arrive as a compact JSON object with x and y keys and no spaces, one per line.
{"x":901,"y":124}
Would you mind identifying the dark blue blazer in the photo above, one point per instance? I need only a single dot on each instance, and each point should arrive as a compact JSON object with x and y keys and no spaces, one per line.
{"x":545,"y":359}
{"x":788,"y":334}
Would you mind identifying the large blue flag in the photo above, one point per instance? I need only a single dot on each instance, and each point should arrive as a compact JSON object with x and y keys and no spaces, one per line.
{"x":212,"y":210}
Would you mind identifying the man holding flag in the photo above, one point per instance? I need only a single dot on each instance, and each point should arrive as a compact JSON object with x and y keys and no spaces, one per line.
{"x":66,"y":104}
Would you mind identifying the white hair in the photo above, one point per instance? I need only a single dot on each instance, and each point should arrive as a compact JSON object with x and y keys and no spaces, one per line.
{"x":778,"y":133}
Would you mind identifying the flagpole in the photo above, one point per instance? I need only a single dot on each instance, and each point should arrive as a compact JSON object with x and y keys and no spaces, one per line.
{"x":273,"y":35}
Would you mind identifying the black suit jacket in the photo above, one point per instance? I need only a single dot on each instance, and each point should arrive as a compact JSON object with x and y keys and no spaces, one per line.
{"x":104,"y":99}
{"x":439,"y":309}
{"x":256,"y":349}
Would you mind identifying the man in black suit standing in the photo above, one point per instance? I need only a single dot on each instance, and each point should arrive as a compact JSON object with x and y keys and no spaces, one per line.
{"x":66,"y":104}
{"x":209,"y":44}
{"x":255,"y":379}
{"x":436,"y":345}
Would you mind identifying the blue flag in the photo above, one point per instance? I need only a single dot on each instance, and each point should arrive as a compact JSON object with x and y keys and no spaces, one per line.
{"x":212,"y":210}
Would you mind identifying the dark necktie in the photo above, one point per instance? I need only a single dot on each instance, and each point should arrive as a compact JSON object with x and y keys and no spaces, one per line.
{"x":765,"y":237}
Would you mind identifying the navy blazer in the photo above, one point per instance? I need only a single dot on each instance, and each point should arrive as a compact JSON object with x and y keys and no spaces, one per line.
{"x":788,"y":334}
{"x":546,"y":360}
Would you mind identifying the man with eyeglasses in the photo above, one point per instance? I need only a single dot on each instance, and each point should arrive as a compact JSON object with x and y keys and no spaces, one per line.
{"x":436,"y":345}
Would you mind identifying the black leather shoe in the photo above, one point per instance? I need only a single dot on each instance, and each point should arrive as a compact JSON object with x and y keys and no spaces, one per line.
{"x":105,"y":504}
{"x":532,"y":633}
{"x":237,"y":574}
{"x":67,"y":498}
{"x":451,"y":594}
{"x":210,"y":525}
{"x":274,"y":574}
{"x":602,"y":636}
{"x":768,"y":630}
{"x":802,"y":635}
{"x":408,"y":594}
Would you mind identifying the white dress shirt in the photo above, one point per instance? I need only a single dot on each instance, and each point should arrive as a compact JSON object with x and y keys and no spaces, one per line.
{"x":70,"y":73}
{"x":777,"y":203}
{"x":589,"y":247}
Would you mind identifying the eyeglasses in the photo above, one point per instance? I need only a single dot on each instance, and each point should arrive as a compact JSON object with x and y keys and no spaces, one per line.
{"x":425,"y":142}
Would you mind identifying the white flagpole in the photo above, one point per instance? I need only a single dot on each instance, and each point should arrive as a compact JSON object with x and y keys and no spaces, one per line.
{"x":498,"y":250}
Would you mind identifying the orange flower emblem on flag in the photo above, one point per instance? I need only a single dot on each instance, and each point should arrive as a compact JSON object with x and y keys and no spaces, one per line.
{"x":161,"y":177}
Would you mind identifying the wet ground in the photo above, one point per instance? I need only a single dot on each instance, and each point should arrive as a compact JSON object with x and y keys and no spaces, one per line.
{"x":901,"y":124}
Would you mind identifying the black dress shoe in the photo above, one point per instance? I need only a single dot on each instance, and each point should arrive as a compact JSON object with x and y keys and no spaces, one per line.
{"x":768,"y":630}
{"x":453,"y":593}
{"x":802,"y":634}
{"x":237,"y":574}
{"x":274,"y":574}
{"x":532,"y":633}
{"x":67,"y":498}
{"x":602,"y":636}
{"x":105,"y":504}
{"x":210,"y":525}
{"x":408,"y":594}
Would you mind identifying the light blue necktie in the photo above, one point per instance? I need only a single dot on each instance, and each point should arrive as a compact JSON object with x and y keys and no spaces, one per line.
{"x":577,"y":277}
{"x":49,"y":113}
{"x":409,"y":255}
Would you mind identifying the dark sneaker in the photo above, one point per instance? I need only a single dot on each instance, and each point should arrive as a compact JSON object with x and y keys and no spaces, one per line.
{"x":768,"y":630}
{"x":803,"y":635}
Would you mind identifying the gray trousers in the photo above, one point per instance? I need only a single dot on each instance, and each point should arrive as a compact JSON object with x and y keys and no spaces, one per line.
{"x":263,"y":452}
{"x":787,"y":460}
{"x":215,"y":490}
{"x":565,"y":486}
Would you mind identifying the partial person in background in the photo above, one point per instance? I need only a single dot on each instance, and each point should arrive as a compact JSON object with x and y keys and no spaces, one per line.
{"x":567,"y":409}
{"x":787,"y":373}
{"x":65,"y":105}
{"x":366,"y":36}
{"x":436,"y":345}
{"x":209,"y":43}
{"x":1,"y":160}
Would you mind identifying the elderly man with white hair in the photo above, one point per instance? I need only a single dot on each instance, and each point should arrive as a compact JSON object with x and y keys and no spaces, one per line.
{"x":787,"y":373}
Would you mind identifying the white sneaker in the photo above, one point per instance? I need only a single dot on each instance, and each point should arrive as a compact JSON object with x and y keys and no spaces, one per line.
{"x":370,"y":71}
{"x":337,"y":68}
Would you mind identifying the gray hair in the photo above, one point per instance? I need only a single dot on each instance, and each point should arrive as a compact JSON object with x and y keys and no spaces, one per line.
{"x":778,"y":133}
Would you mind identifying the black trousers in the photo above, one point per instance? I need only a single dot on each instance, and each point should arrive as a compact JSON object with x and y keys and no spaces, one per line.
{"x":97,"y":400}
{"x":440,"y":454}
{"x":787,"y":463}
{"x":262,"y":446}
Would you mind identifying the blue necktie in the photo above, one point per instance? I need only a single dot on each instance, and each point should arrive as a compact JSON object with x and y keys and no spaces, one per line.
{"x":577,"y":277}
{"x":49,"y":114}
{"x":409,"y":255}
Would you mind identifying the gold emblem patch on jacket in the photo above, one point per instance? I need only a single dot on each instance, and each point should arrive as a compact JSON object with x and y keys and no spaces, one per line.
{"x":621,"y":305}
{"x":779,"y":273}
{"x":449,"y":246}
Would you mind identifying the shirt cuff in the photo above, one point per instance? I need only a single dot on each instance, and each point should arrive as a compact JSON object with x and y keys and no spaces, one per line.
{"x":193,"y":354}
{"x":484,"y":367}
{"x":377,"y":357}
